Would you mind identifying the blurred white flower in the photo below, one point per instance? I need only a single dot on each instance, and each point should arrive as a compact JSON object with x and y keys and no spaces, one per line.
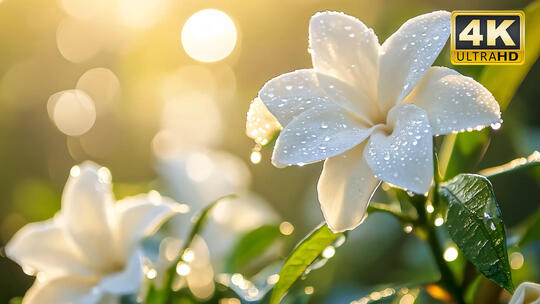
{"x":89,"y":250}
{"x":199,"y":177}
{"x":526,"y":293}
{"x":371,"y":110}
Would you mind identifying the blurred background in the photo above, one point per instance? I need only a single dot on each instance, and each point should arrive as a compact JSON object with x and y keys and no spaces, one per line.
{"x":158,"y":90}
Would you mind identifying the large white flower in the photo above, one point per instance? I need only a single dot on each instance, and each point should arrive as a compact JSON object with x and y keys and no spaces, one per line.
{"x":90,"y":248}
{"x":371,"y":110}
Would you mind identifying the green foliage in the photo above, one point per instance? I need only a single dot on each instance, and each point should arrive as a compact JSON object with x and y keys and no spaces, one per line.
{"x":532,"y":229}
{"x":301,"y":258}
{"x":252,"y":245}
{"x":474,"y":223}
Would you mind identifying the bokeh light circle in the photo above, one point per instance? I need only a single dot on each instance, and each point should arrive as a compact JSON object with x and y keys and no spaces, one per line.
{"x":72,"y":111}
{"x":209,"y":35}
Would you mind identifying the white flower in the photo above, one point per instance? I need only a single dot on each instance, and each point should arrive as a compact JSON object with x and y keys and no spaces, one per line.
{"x":90,"y":248}
{"x":371,"y":110}
{"x":526,"y":293}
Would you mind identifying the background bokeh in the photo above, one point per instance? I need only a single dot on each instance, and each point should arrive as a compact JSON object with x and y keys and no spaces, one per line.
{"x":136,"y":95}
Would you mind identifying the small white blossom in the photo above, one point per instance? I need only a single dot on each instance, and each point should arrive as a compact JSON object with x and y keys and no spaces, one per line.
{"x":370,"y":110}
{"x":89,"y":250}
{"x":526,"y":293}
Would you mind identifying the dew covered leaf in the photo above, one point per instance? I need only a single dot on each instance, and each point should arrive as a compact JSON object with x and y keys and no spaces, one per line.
{"x":475,"y":225}
{"x":251,"y":245}
{"x":305,"y":253}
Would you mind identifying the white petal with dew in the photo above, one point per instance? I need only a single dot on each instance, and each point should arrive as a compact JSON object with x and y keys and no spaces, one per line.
{"x":403,"y":158}
{"x":345,"y":48}
{"x":290,"y":94}
{"x":261,"y":125}
{"x":408,"y":53}
{"x":319,"y":133}
{"x":454,"y":102}
{"x":345,"y":188}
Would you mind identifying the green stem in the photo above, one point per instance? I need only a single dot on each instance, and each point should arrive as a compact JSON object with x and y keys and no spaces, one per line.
{"x":381,"y":207}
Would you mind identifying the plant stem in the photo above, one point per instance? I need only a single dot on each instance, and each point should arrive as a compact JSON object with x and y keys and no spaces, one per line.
{"x":447,"y":277}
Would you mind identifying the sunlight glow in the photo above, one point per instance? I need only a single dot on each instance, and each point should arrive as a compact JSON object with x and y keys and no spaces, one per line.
{"x":286,"y":228}
{"x":255,"y":157}
{"x":183,"y":269}
{"x":439,"y":221}
{"x":72,"y":111}
{"x":450,"y":254}
{"x":516,"y":260}
{"x":329,"y":252}
{"x":101,"y":84}
{"x":209,"y":35}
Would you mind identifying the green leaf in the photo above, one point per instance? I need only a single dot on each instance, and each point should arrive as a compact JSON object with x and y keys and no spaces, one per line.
{"x":305,"y":253}
{"x":474,"y":223}
{"x":251,"y":245}
{"x":531,"y":229}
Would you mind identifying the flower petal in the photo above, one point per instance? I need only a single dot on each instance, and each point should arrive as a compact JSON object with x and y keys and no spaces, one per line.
{"x":140,"y":216}
{"x":126,"y":281}
{"x":526,"y":292}
{"x":290,"y":94}
{"x":44,"y":247}
{"x":261,"y":125}
{"x":454,"y":102}
{"x":345,"y":48}
{"x":345,"y":188}
{"x":405,"y":157}
{"x":70,"y":289}
{"x":408,"y":53}
{"x":86,"y":206}
{"x":316,"y":134}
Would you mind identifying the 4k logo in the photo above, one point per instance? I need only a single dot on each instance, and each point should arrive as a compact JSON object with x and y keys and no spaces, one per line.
{"x":488,"y":37}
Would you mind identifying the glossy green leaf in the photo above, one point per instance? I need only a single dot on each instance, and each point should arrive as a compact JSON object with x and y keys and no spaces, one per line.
{"x":474,"y":223}
{"x":252,"y":245}
{"x":305,"y":253}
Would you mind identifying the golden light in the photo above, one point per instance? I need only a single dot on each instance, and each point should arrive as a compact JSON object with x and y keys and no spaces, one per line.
{"x":286,"y":228}
{"x":516,"y":260}
{"x":72,"y":111}
{"x":450,"y":254}
{"x":430,"y":208}
{"x":84,"y":9}
{"x":199,"y":166}
{"x":189,"y":255}
{"x":101,"y":84}
{"x":183,"y":269}
{"x":408,"y":229}
{"x":407,"y":299}
{"x":309,"y":290}
{"x":273,"y":279}
{"x":209,"y":35}
{"x":75,"y":171}
{"x":151,"y":274}
{"x":78,"y":40}
{"x":439,"y":221}
{"x":141,"y":13}
{"x":329,"y":252}
{"x":255,"y":157}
